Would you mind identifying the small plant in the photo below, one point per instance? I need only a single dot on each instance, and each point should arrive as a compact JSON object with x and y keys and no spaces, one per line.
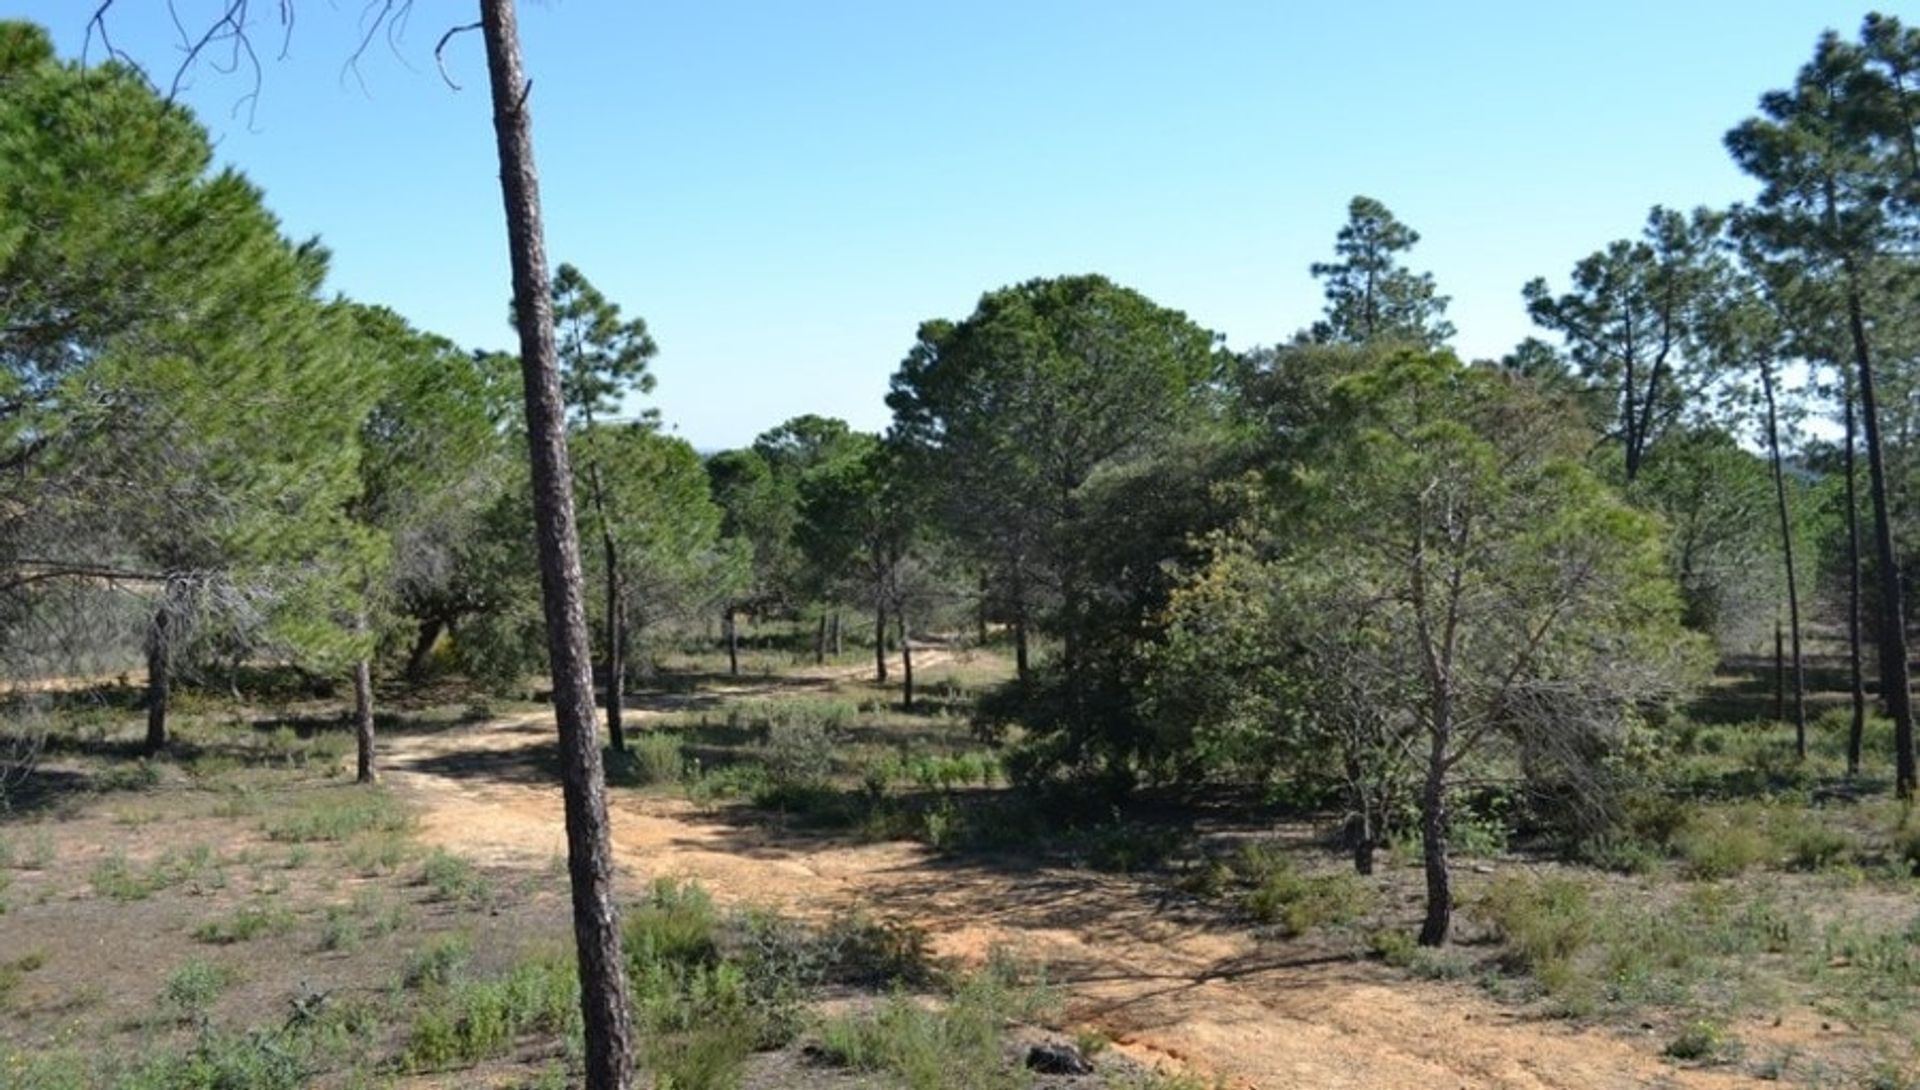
{"x":337,"y":814}
{"x":1700,"y":1040}
{"x":454,"y":878}
{"x":248,"y":922}
{"x":1724,"y":844}
{"x":1545,"y":923}
{"x":438,"y":962}
{"x":194,"y":986}
{"x":1298,"y":903}
{"x":1812,"y":846}
{"x":467,"y":1021}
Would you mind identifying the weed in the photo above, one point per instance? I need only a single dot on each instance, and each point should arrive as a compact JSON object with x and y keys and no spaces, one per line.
{"x":1297,"y":903}
{"x":337,"y":814}
{"x":193,"y":987}
{"x":1700,"y":1040}
{"x":652,"y":757}
{"x":248,"y":922}
{"x":1724,"y":843}
{"x":960,"y":1044}
{"x":466,"y":1021}
{"x":439,"y":962}
{"x":450,"y":877}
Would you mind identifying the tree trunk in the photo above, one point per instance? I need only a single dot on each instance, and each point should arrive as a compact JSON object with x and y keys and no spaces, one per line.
{"x":906,"y":659}
{"x":1857,"y":729}
{"x":607,"y":1017}
{"x":1779,"y":669}
{"x":1360,"y":830}
{"x":880,"y":643}
{"x":730,"y":631}
{"x":1433,"y":841}
{"x":838,"y":647}
{"x":616,"y":673}
{"x":159,"y":681}
{"x":363,"y":721}
{"x":1894,"y":686}
{"x":820,"y":642}
{"x":1786,"y":551}
{"x":1020,"y":669}
{"x":429,"y":635}
{"x":980,"y":613}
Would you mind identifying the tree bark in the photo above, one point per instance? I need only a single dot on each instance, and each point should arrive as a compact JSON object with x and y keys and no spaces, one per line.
{"x":880,"y":642}
{"x":906,"y":659}
{"x":159,"y":681}
{"x":1779,"y":669}
{"x":980,"y":613}
{"x":363,"y":721}
{"x":1856,"y":730}
{"x":1433,"y":842}
{"x":820,"y":642}
{"x":838,"y":647}
{"x":730,"y":631}
{"x":604,"y":1006}
{"x":1894,"y":684}
{"x":616,"y":670}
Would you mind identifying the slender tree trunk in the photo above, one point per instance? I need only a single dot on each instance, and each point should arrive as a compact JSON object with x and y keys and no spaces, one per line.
{"x":604,"y":1006}
{"x":1894,"y":684}
{"x":820,"y":643}
{"x":1360,"y":830}
{"x":1786,"y":552}
{"x":880,"y":642}
{"x":429,"y":635}
{"x":1779,"y":669}
{"x":906,"y":658}
{"x":730,"y":631}
{"x":1433,"y":839}
{"x":617,"y":675}
{"x":980,"y":613}
{"x":363,"y":721}
{"x":839,"y":648}
{"x":1856,"y":730}
{"x":159,"y":680}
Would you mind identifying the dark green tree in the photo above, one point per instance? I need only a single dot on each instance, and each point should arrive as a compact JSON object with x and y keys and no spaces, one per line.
{"x":1371,"y":295}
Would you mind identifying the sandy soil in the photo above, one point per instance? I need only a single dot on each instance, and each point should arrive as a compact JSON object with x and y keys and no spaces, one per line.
{"x":1161,"y":982}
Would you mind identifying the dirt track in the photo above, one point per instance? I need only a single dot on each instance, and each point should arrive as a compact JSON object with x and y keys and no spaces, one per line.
{"x":1212,"y":999}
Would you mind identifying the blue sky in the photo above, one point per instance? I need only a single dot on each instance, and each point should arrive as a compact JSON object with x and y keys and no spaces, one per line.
{"x":785,"y":190}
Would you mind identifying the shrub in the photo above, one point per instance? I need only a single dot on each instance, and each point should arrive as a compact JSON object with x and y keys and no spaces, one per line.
{"x":1545,"y":923}
{"x":1813,"y":846}
{"x":454,"y":878}
{"x":1700,"y":1040}
{"x":193,"y":987}
{"x":1724,"y":843}
{"x":959,"y":1045}
{"x":1297,"y":903}
{"x":439,"y":962}
{"x":246,"y":923}
{"x":677,"y":924}
{"x":336,"y":814}
{"x":467,"y":1021}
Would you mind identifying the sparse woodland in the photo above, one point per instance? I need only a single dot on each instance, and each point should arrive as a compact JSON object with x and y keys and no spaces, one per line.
{"x":1574,"y":681}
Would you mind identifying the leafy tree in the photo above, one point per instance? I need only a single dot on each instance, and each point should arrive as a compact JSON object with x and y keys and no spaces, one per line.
{"x":1631,"y":322}
{"x":603,"y":358}
{"x":1449,"y":575}
{"x":759,"y":513}
{"x":1370,"y":294}
{"x":860,"y":515}
{"x":1016,"y":408}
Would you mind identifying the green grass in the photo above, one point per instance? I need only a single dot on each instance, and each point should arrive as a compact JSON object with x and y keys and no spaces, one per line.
{"x":115,"y":878}
{"x":193,"y":987}
{"x":465,"y":1021}
{"x":336,"y":814}
{"x":958,"y":1044}
{"x":246,"y":923}
{"x":454,"y":878}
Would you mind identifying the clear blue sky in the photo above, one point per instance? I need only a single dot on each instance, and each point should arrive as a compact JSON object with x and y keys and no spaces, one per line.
{"x":784,"y":190}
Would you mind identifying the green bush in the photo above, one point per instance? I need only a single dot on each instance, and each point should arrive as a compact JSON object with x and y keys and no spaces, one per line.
{"x":454,"y":878}
{"x":1297,"y":903}
{"x":193,"y":987}
{"x":1725,"y":843}
{"x":467,"y":1021}
{"x":1545,"y":923}
{"x":336,"y":814}
{"x":439,"y":962}
{"x":958,"y":1045}
{"x":247,"y":922}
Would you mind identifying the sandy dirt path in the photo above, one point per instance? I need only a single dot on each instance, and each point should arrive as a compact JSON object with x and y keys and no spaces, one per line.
{"x":1154,"y":974}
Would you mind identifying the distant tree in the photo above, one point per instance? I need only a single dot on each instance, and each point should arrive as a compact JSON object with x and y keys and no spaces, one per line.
{"x":860,"y":515}
{"x":1014,"y":410}
{"x":1631,"y":323}
{"x":603,"y":360}
{"x":1370,"y":294}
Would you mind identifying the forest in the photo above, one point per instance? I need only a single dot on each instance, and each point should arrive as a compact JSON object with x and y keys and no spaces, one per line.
{"x":380,"y":710}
